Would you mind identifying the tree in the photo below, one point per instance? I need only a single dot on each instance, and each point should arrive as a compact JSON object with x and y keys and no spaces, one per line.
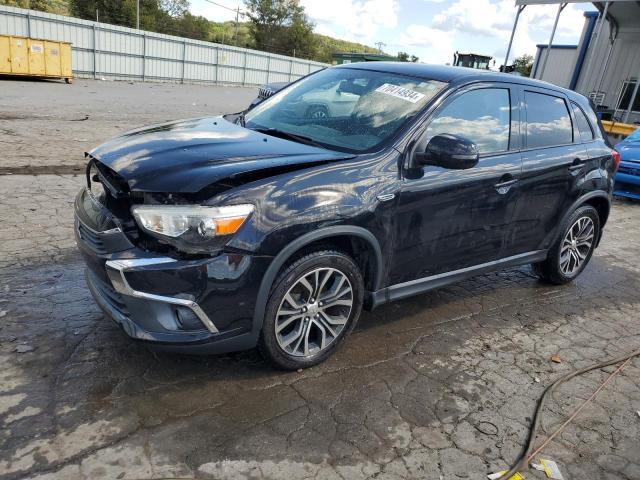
{"x":175,"y":8}
{"x":194,"y":27}
{"x":405,"y":57}
{"x":61,"y":7}
{"x":225,"y":33}
{"x":523,"y":64}
{"x":281,"y":26}
{"x":117,"y":13}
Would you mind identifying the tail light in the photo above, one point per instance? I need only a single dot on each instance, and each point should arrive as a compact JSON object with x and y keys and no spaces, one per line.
{"x":616,"y":158}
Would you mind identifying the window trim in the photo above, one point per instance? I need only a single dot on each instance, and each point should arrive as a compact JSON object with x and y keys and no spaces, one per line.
{"x":471,"y":88}
{"x":574,"y":105}
{"x":525,"y":123}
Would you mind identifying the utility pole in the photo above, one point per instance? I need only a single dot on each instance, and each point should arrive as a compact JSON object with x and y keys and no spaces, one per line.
{"x":138,"y":14}
{"x":380,"y":45}
{"x":235,"y":40}
{"x":97,"y":15}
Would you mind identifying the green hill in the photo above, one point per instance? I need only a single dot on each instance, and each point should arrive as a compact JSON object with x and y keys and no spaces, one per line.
{"x":321,"y":50}
{"x":122,"y":12}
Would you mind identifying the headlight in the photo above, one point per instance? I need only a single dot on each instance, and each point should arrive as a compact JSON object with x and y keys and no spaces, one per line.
{"x":191,"y":228}
{"x":96,"y":189}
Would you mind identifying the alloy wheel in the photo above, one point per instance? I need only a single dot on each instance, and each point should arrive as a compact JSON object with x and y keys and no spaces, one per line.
{"x":314,"y":312}
{"x":576,"y":245}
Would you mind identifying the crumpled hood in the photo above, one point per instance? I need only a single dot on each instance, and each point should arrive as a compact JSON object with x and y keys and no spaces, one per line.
{"x":189,"y":155}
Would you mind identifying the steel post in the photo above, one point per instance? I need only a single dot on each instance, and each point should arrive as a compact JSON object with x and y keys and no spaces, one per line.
{"x":95,"y":52}
{"x":593,"y":46}
{"x":553,"y":33}
{"x":513,"y":32}
{"x":184,"y":58}
{"x":606,"y":64}
{"x":144,"y":57}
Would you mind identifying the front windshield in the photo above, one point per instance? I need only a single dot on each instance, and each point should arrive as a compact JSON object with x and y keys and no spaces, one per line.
{"x":344,"y":108}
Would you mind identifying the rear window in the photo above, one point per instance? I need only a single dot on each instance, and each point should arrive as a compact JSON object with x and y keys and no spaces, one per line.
{"x":548,"y":120}
{"x":584,"y":127}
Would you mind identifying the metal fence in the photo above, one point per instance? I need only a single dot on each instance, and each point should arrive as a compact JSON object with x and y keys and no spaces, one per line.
{"x":120,"y":53}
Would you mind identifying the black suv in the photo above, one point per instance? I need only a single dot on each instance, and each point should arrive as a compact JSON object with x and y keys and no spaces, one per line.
{"x":276,"y":228}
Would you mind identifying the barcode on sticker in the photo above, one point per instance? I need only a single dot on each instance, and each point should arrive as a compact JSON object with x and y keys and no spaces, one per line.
{"x":400,"y":92}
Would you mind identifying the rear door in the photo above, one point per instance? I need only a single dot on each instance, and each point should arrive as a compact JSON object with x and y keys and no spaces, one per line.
{"x":553,"y":167}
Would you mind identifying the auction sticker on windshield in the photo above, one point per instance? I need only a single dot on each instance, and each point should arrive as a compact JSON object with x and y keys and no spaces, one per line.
{"x":401,"y":92}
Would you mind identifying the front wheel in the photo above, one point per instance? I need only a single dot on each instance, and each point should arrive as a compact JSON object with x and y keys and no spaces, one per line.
{"x":314,"y":304}
{"x":572,"y":251}
{"x":317,"y":111}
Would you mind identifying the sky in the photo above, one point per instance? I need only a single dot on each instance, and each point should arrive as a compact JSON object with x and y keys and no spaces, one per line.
{"x":432,"y":29}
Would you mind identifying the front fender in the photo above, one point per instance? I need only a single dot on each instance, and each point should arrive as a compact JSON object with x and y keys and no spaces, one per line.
{"x":299,"y":243}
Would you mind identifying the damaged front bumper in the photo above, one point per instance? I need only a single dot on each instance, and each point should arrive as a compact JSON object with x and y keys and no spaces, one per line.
{"x":202,"y":305}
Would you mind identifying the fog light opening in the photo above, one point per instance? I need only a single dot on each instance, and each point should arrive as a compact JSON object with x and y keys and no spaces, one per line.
{"x":188,"y":320}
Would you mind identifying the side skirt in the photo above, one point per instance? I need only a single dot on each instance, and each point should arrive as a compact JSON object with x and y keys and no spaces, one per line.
{"x":414,"y":287}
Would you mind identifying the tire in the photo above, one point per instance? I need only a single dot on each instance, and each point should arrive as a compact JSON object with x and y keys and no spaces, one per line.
{"x":298,"y":332}
{"x":554,"y":269}
{"x":317,"y":111}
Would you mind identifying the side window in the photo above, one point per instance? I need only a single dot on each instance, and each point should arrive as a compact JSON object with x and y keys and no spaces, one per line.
{"x":483,"y":116}
{"x":584,"y":127}
{"x":548,"y":120}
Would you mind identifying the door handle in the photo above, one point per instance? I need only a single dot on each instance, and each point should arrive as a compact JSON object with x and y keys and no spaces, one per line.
{"x":386,"y":197}
{"x":504,"y":186}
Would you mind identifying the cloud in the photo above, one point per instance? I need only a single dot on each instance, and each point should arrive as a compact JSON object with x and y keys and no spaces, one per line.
{"x":494,"y":19}
{"x":216,"y":13}
{"x":437,"y":45}
{"x":357,"y":20}
{"x":479,"y":17}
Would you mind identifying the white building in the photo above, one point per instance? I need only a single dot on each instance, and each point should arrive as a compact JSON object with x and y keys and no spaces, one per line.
{"x":604,"y":65}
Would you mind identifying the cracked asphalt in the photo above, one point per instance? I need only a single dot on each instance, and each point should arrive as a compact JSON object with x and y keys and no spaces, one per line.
{"x":439,"y":386}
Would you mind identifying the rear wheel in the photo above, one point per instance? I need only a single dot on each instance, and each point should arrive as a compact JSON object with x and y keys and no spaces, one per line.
{"x":314,"y":304}
{"x":572,"y":251}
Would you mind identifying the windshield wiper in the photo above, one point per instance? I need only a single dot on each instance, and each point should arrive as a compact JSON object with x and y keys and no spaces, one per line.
{"x":288,"y":136}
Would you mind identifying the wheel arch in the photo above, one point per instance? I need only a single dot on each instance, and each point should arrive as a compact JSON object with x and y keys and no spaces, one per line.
{"x":322,"y":236}
{"x":603,"y":205}
{"x":599,"y":200}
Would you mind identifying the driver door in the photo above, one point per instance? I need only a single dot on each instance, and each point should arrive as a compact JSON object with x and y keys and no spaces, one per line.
{"x":451,"y":219}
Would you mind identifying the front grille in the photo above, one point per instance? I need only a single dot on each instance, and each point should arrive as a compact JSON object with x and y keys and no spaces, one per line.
{"x":92,"y":239}
{"x":112,"y":298}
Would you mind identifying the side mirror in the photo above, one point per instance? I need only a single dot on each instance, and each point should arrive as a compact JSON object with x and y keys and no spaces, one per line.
{"x":449,"y":151}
